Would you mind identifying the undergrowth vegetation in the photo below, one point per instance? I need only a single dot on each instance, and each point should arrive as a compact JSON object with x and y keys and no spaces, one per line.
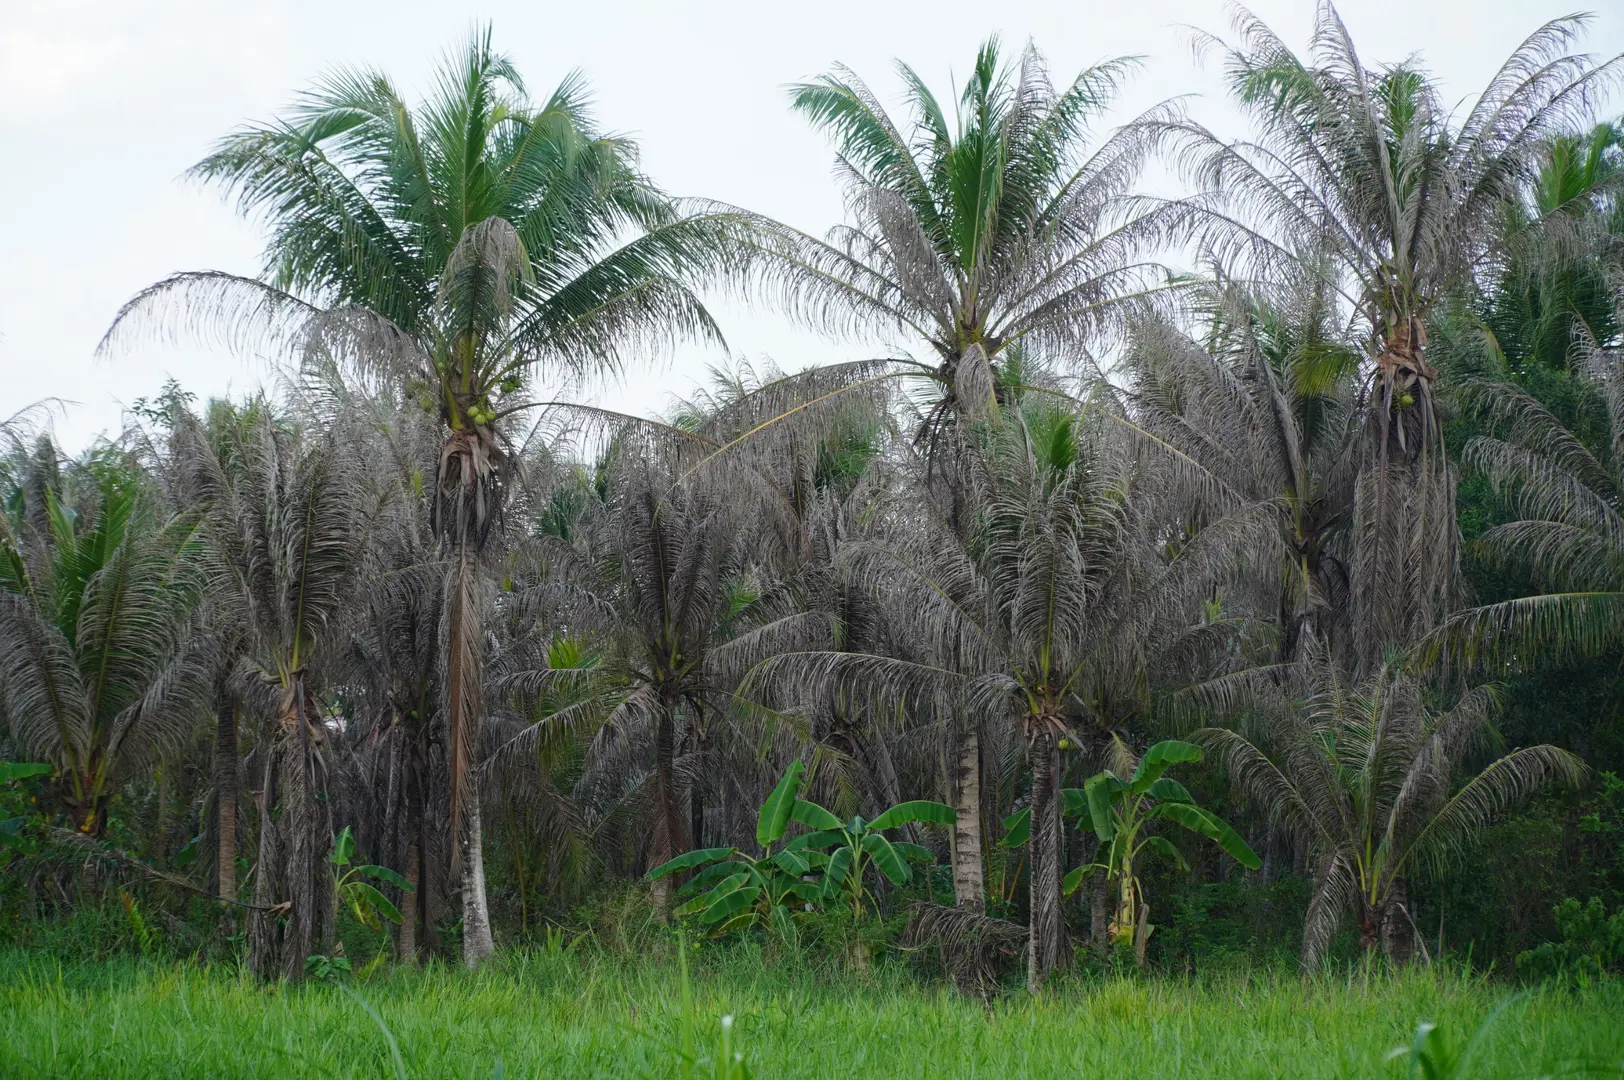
{"x":586,"y":1012}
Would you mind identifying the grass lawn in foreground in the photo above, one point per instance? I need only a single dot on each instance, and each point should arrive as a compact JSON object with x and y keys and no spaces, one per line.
{"x":591,"y":1015}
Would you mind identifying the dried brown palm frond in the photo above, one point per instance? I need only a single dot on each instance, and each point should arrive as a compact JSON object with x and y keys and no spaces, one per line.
{"x":286,"y":519}
{"x":975,"y":949}
{"x":1368,"y":780}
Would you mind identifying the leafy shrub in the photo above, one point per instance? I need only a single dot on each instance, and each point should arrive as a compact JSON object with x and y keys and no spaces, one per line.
{"x":1592,"y":944}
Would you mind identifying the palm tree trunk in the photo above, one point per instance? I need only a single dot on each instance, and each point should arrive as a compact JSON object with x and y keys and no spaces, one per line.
{"x":667,"y":839}
{"x":1099,"y":913}
{"x":264,"y":930}
{"x":969,"y":875}
{"x":464,"y":700}
{"x":225,"y":797}
{"x":476,"y":920}
{"x":406,"y":936}
{"x":1045,"y":928}
{"x":1397,"y":931}
{"x":294,"y":876}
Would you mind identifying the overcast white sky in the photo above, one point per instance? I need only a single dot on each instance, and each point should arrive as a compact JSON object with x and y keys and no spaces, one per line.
{"x":104,"y":103}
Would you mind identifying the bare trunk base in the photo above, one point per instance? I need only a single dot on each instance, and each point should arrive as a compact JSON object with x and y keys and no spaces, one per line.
{"x":476,"y":918}
{"x":225,"y":800}
{"x":969,"y":874}
{"x":406,"y":936}
{"x":1046,"y":927}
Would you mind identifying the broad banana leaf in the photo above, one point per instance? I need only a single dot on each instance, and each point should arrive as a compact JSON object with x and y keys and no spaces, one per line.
{"x":1162,"y":846}
{"x":1168,"y":789}
{"x":1209,"y":825}
{"x":1158,"y":758}
{"x":1071,"y":881}
{"x":384,"y":874}
{"x":834,"y":878}
{"x":815,"y":841}
{"x":913,"y":852}
{"x":791,"y":863}
{"x":775,"y":812}
{"x":708,"y":877}
{"x":698,"y":857}
{"x":730,"y":884}
{"x":1100,"y":792}
{"x":364,"y":896}
{"x":887,"y":858}
{"x":920,"y":810}
{"x":731,"y":904}
{"x":1018,"y":828}
{"x":814,"y":816}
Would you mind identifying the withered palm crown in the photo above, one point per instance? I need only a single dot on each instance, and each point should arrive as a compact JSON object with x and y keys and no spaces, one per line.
{"x":1363,"y":175}
{"x":1261,"y":412}
{"x":286,"y":526}
{"x":1364,"y":776}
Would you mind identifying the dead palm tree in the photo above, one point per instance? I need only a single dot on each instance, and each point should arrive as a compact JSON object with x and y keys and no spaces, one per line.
{"x":650,"y":578}
{"x":1570,"y":495}
{"x":1262,"y":413}
{"x":286,"y":523}
{"x":1362,"y":176}
{"x":1364,"y":777}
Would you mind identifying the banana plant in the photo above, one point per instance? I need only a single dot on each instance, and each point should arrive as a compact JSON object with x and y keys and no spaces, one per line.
{"x":368,"y":904}
{"x":1121,"y":811}
{"x":734,"y":890}
{"x":853,"y":845}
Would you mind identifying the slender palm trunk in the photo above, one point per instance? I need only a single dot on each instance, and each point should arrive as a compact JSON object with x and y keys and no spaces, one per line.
{"x":225,"y":797}
{"x":463,"y":714}
{"x":406,"y":936}
{"x":1046,"y":928}
{"x":969,"y":875}
{"x":668,"y":839}
{"x":476,"y":920}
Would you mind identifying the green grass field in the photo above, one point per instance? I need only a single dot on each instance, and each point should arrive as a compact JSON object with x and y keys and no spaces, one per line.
{"x":566,"y":1016}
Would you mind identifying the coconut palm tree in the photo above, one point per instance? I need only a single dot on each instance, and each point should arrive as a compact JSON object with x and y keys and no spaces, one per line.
{"x":1364,"y":776}
{"x":996,"y":230}
{"x":102,"y":664}
{"x":1363,"y":176}
{"x":285,"y":524}
{"x":450,"y":248}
